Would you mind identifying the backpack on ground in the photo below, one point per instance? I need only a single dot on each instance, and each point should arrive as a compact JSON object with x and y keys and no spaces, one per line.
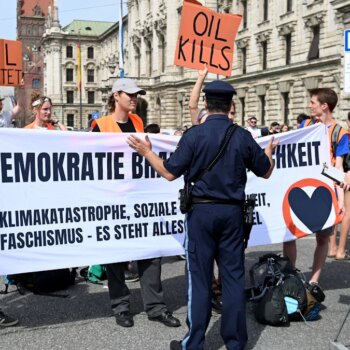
{"x":43,"y":281}
{"x":280,"y":292}
{"x":336,"y":134}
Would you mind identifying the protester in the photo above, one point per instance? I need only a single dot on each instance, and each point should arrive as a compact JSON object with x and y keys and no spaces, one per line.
{"x":284,"y":128}
{"x":275,"y":128}
{"x":252,"y":128}
{"x":122,"y":105}
{"x":322,"y":104}
{"x":301,"y":117}
{"x":7,"y":117}
{"x":214,"y":224}
{"x":42,"y":106}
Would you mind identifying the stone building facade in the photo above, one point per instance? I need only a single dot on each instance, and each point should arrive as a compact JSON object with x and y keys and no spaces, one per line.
{"x":283,"y":49}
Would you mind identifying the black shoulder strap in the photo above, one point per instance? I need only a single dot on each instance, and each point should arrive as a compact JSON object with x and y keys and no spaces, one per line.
{"x":227,"y":138}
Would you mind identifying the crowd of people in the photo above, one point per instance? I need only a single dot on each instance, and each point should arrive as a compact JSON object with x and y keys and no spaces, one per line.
{"x":214,"y":225}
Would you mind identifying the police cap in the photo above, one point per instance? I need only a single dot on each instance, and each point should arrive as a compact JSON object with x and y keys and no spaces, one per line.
{"x":219,"y":88}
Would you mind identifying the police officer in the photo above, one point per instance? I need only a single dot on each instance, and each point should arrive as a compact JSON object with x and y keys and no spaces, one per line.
{"x":214,"y":225}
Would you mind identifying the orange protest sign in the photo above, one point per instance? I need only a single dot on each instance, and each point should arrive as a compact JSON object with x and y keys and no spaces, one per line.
{"x":206,"y":37}
{"x":10,"y":62}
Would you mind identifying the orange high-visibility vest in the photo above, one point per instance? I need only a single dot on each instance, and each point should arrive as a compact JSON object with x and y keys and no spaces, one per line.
{"x":33,"y":126}
{"x":108,"y":124}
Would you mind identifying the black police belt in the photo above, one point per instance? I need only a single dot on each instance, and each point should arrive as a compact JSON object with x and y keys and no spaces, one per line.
{"x":207,"y":200}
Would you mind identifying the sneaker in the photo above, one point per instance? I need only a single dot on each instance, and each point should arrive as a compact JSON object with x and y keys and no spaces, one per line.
{"x":317,"y":292}
{"x":7,"y":321}
{"x":130,"y":276}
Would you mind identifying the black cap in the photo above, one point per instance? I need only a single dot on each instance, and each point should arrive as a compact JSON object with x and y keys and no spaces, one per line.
{"x":219,"y":87}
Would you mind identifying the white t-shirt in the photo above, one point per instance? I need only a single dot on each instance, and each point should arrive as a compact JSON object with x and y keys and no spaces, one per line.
{"x":6,"y":119}
{"x":255,"y":132}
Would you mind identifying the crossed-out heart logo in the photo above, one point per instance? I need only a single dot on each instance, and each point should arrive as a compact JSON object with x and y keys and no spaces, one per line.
{"x":309,"y":205}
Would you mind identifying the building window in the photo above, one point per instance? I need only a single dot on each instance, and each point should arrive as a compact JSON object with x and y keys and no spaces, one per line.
{"x":262,"y":109}
{"x":69,"y":74}
{"x":90,"y":75}
{"x":285,"y":96}
{"x":266,"y":10}
{"x":91,"y":97}
{"x":149,"y":58}
{"x":69,"y":51}
{"x":289,"y":5}
{"x":242,"y":101}
{"x":245,"y":13}
{"x":162,"y":47}
{"x":138,"y":61}
{"x":70,"y":96}
{"x":70,"y":120}
{"x":288,"y":39}
{"x":264,"y":54}
{"x":90,"y":52}
{"x":314,"y":47}
{"x":244,"y":60}
{"x":36,"y":84}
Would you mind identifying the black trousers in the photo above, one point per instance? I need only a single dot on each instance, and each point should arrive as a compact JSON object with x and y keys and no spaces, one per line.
{"x":150,"y":282}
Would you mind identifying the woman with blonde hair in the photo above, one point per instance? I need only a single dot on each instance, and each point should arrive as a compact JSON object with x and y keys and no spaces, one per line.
{"x":42,"y":108}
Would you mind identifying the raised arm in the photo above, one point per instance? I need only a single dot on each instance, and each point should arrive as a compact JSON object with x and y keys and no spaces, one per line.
{"x":196,"y":91}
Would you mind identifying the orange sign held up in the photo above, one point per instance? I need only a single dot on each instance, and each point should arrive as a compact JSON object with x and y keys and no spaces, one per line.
{"x":206,"y":37}
{"x":10,"y":62}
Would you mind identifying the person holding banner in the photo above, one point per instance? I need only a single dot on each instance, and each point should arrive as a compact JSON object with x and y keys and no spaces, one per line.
{"x":215,"y":221}
{"x":122,"y":103}
{"x":322,"y":103}
{"x":42,"y":107}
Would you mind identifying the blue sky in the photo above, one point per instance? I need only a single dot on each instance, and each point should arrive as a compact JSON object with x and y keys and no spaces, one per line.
{"x":68,"y":10}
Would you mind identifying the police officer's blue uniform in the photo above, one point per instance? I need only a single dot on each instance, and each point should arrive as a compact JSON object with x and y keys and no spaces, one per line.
{"x":214,"y":229}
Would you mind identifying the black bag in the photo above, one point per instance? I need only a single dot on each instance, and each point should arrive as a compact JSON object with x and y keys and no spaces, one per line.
{"x":273,"y":278}
{"x":185,"y":198}
{"x":43,"y":281}
{"x":272,"y":309}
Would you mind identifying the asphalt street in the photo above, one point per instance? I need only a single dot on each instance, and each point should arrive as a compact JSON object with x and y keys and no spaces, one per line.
{"x":83,"y":320}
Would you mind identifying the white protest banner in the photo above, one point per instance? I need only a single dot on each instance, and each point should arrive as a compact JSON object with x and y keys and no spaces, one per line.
{"x":76,"y":199}
{"x":297,"y":200}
